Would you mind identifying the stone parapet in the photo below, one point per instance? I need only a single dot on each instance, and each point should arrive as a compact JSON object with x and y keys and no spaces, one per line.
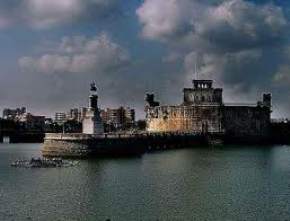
{"x":83,"y":145}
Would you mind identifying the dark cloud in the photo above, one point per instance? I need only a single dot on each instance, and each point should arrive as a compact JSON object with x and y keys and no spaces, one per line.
{"x":231,"y":25}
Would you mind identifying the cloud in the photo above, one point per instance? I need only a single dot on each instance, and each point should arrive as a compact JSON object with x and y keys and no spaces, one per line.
{"x":282,"y":77}
{"x":238,"y":43}
{"x":5,"y":22}
{"x":163,"y":20}
{"x":231,"y":25}
{"x":79,"y":55}
{"x":172,"y":57}
{"x":239,"y":25}
{"x":43,"y":14}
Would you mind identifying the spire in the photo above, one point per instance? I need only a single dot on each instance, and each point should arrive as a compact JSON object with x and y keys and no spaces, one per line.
{"x":196,"y":71}
{"x":196,"y":67}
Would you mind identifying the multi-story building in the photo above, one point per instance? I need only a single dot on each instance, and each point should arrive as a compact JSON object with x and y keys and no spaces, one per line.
{"x":83,"y":112}
{"x":25,"y":121}
{"x":13,"y":114}
{"x":74,"y":114}
{"x":129,"y":116}
{"x":60,"y":117}
{"x":32,"y":123}
{"x":120,"y":118}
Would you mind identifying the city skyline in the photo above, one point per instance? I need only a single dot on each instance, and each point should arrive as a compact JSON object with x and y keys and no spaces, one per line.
{"x":51,"y":52}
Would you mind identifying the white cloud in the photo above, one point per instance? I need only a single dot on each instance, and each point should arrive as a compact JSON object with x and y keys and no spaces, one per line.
{"x":43,"y":13}
{"x":48,"y":13}
{"x":165,"y":19}
{"x":79,"y":55}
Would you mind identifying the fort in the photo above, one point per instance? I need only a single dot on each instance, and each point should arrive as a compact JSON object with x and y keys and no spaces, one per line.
{"x":203,"y":111}
{"x":201,"y":119}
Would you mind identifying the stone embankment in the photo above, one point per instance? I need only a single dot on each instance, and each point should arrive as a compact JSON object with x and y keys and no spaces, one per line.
{"x":83,"y":145}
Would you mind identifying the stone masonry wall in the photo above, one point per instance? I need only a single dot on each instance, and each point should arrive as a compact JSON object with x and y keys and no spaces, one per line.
{"x":197,"y":119}
{"x":245,"y":121}
{"x":237,"y":121}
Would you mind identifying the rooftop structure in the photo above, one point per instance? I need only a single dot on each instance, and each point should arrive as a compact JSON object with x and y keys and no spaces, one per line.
{"x":202,"y":92}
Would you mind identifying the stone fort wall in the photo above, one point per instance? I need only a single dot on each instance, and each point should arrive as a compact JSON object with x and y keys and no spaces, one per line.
{"x":236,"y":121}
{"x":197,"y":119}
{"x":203,"y":111}
{"x":242,"y":121}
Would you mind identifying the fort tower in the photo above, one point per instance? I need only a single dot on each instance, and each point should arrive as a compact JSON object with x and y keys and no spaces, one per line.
{"x":202,"y":92}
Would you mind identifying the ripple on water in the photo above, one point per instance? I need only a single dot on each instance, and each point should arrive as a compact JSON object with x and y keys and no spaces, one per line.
{"x":232,"y":183}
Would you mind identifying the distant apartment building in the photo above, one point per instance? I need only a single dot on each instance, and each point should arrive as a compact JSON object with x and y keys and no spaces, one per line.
{"x":60,"y":117}
{"x":13,"y":114}
{"x":32,"y":123}
{"x":48,"y":120}
{"x":24,"y":121}
{"x":82,"y":113}
{"x":74,"y":114}
{"x":120,"y":118}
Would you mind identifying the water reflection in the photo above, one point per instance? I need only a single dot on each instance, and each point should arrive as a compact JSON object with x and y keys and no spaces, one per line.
{"x":232,"y":183}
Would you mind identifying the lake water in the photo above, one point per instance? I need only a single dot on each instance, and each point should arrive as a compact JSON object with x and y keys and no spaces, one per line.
{"x":229,"y":183}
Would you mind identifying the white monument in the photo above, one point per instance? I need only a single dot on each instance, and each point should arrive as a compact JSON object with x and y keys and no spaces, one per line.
{"x":92,"y":122}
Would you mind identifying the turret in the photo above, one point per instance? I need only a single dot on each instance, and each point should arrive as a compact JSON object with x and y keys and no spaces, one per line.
{"x":150,"y":99}
{"x":267,"y":100}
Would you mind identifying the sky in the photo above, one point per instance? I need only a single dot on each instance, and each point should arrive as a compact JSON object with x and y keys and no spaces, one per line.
{"x":52,"y":50}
